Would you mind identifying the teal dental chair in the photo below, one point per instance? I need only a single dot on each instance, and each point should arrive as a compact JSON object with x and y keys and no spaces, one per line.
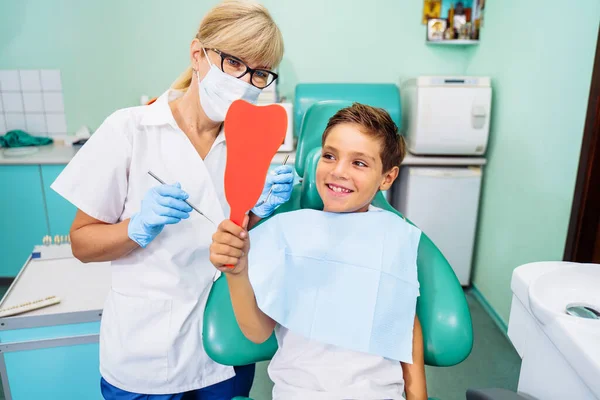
{"x":441,"y":307}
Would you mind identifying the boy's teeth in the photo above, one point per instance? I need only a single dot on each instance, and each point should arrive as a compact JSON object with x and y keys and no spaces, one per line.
{"x":339,"y":189}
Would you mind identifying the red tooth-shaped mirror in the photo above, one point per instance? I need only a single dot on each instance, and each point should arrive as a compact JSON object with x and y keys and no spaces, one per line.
{"x":254,"y":134}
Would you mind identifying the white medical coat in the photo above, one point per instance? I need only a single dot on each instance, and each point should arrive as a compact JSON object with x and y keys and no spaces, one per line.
{"x":151,"y":329}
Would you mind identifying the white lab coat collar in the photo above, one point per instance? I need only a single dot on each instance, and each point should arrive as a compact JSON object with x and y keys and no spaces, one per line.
{"x":159,"y":113}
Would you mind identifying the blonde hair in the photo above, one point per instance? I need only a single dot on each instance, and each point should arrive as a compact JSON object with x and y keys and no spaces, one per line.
{"x":241,"y":28}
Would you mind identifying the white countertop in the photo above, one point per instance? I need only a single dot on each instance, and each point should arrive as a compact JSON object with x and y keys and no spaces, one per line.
{"x":41,"y":278}
{"x":49,"y":154}
{"x":58,"y":154}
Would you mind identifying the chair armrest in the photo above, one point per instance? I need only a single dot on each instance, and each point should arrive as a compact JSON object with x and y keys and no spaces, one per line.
{"x":223,"y":339}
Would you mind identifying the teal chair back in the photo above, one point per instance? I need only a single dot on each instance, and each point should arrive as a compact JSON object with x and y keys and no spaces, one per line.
{"x":314,"y":121}
{"x":384,"y":95}
{"x":442,"y":308}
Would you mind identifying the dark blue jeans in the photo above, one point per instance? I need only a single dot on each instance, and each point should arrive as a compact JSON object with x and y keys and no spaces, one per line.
{"x":239,"y":385}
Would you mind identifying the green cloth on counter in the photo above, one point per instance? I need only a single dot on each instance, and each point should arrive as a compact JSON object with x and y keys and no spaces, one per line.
{"x":18,"y":138}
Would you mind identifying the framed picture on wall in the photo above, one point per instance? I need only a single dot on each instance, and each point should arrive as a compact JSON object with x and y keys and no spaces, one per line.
{"x":431,"y":9}
{"x":435,"y":29}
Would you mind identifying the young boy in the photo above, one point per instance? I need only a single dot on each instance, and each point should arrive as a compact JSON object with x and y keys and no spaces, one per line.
{"x":361,"y":154}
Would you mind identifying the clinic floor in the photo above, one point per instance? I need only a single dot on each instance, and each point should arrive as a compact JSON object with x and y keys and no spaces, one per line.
{"x":492,"y":363}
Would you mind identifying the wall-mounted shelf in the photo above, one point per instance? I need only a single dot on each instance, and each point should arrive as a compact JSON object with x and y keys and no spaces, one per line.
{"x":456,"y":42}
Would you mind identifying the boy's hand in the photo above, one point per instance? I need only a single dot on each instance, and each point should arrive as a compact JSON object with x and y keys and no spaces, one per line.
{"x":230,"y":247}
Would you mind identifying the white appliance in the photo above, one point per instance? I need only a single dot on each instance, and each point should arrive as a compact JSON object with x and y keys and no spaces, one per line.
{"x":288,"y":142}
{"x":446,"y":114}
{"x":554,"y":325}
{"x":443,"y":202}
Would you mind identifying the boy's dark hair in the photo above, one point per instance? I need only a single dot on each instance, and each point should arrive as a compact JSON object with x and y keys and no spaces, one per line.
{"x":374,"y":122}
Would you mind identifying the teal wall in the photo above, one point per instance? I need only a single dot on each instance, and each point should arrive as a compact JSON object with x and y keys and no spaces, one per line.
{"x":112,"y":51}
{"x":540,"y":56}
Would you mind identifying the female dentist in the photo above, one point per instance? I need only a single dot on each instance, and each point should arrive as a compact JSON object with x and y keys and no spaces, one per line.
{"x":151,"y":330}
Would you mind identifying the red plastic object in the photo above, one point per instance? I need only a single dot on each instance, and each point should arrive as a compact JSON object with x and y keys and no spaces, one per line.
{"x":253,"y":134}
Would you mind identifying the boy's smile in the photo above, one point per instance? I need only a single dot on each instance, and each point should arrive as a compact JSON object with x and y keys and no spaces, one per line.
{"x":339,"y":190}
{"x":349,"y":173}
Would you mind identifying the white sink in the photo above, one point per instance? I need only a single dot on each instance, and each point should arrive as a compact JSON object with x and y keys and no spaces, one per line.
{"x":560,"y":352}
{"x":574,"y":284}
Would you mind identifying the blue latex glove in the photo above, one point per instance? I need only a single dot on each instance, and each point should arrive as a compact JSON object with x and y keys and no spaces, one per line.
{"x":282,"y":181}
{"x":161,"y":205}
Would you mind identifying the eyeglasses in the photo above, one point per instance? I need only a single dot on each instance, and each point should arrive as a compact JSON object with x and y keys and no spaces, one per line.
{"x":261,"y":78}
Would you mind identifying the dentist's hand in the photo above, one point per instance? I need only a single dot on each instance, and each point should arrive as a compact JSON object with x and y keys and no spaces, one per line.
{"x":281,"y":179}
{"x":162,"y":205}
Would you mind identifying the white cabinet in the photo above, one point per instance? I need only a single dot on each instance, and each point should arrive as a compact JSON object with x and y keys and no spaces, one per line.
{"x":443,"y":202}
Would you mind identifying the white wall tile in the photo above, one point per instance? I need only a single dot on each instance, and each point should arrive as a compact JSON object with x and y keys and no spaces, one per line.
{"x":15,"y":121}
{"x":12,"y":101}
{"x":53,"y":102}
{"x":51,"y":80}
{"x":9,"y":80}
{"x":30,"y":81}
{"x":36,"y":124}
{"x":56,"y":123}
{"x":33,"y":102}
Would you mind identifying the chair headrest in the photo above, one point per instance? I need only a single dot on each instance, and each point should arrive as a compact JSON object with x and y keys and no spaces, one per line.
{"x":384,"y":95}
{"x":314,"y":123}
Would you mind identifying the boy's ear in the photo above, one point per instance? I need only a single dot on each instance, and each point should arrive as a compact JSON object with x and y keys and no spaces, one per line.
{"x":388,"y":178}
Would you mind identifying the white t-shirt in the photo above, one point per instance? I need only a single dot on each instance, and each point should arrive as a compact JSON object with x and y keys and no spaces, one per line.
{"x":306,"y":369}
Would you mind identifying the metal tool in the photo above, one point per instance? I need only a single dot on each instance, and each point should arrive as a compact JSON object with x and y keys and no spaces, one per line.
{"x":186,"y":202}
{"x":260,"y":203}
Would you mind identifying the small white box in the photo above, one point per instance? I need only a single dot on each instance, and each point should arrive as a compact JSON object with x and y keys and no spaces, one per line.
{"x":288,"y":143}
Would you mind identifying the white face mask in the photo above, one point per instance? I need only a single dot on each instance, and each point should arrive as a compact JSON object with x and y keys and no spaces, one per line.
{"x":218,"y":90}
